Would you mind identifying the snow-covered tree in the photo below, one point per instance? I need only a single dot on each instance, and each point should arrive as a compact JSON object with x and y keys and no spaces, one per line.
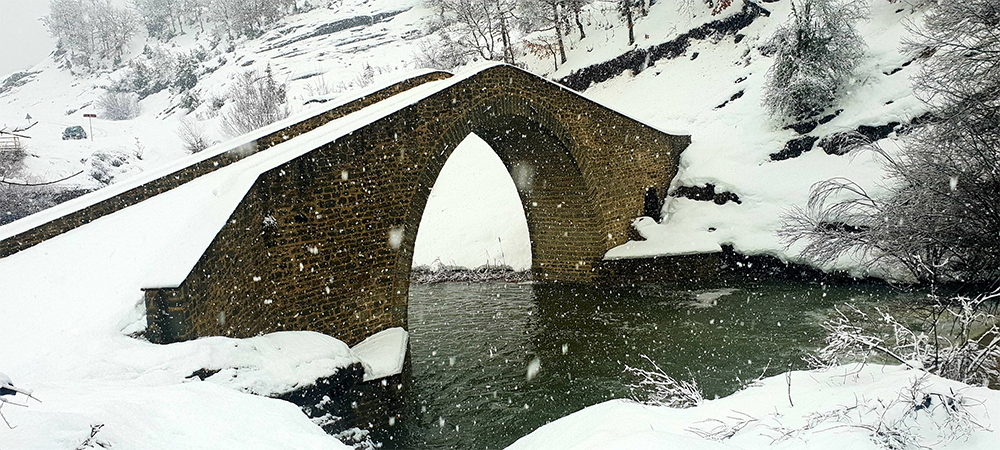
{"x":90,"y":28}
{"x":255,"y":100}
{"x":815,"y":55}
{"x":115,"y":28}
{"x":157,"y":16}
{"x":69,"y":22}
{"x":249,"y":17}
{"x":482,"y":28}
{"x":941,"y":218}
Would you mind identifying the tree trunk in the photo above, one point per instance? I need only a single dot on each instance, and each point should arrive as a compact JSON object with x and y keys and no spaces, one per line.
{"x":559,"y":34}
{"x":508,"y":52}
{"x":628,"y":21}
{"x":580,"y":25}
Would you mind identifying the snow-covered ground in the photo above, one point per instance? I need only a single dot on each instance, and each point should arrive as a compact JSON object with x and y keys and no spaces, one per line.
{"x":472,"y":216}
{"x":68,"y":304}
{"x":874,"y":407}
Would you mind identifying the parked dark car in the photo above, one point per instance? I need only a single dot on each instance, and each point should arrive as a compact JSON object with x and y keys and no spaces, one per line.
{"x":74,"y":132}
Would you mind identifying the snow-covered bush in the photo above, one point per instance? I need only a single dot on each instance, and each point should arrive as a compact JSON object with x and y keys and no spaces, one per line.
{"x":119,"y":105}
{"x":940,"y":220}
{"x":953,"y":338}
{"x":655,"y":387}
{"x":106,"y":165}
{"x":815,"y":55}
{"x":193,"y":135}
{"x":185,"y":72}
{"x":256,"y":100}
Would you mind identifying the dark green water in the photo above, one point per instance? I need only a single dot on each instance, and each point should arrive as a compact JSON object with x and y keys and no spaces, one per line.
{"x":471,"y":345}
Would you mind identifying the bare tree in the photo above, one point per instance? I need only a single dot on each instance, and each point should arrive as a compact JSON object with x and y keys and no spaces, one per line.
{"x":547,"y":15}
{"x":483,"y":27}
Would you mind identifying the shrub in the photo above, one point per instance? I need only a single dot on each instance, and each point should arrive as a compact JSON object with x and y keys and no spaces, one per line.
{"x":11,"y":162}
{"x":660,"y":389}
{"x":256,"y":100}
{"x":119,"y":105}
{"x":815,"y":55}
{"x":954,"y":338}
{"x":193,"y":135}
{"x":106,"y":165}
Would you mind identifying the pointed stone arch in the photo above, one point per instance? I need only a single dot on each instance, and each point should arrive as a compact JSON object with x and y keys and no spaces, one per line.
{"x":324,"y":241}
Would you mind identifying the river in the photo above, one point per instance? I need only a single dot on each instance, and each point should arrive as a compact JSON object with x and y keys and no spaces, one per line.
{"x":471,"y":346}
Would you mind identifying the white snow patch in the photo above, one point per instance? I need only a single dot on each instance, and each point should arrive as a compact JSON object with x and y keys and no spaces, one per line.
{"x":864,"y":398}
{"x":383,"y":353}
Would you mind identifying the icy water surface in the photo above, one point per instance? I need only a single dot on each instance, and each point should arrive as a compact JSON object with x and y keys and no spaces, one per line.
{"x":472,"y":344}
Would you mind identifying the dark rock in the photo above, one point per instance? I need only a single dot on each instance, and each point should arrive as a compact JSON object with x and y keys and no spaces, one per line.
{"x":794,"y":148}
{"x":203,"y":374}
{"x":732,"y":98}
{"x":803,"y":127}
{"x":874,"y":133}
{"x":638,"y":59}
{"x":694,"y":56}
{"x":706,"y":193}
{"x":829,"y":117}
{"x":843,"y":142}
{"x":807,"y":126}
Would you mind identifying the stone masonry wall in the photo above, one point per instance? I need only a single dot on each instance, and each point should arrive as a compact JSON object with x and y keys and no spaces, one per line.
{"x":90,"y":213}
{"x":325,"y":242}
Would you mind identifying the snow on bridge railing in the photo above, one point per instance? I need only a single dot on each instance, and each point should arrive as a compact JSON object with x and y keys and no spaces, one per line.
{"x":223,"y":153}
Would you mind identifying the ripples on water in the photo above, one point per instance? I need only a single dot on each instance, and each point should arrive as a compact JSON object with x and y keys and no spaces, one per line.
{"x":471,"y":345}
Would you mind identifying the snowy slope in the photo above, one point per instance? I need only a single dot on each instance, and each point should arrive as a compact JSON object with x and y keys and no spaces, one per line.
{"x":473,"y":217}
{"x":69,"y":303}
{"x":731,"y":145}
{"x":847,"y":407}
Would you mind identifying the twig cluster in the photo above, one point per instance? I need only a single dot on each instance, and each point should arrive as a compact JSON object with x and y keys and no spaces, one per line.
{"x":655,"y":387}
{"x":958,"y":339}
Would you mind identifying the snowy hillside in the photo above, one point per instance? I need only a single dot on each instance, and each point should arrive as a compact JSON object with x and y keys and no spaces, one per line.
{"x":712,"y":92}
{"x":70,"y":303}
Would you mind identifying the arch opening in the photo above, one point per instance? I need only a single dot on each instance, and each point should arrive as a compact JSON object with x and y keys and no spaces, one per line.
{"x":473,"y":214}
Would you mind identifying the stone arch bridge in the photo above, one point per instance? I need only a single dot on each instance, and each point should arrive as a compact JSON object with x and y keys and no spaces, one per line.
{"x":323,"y":239}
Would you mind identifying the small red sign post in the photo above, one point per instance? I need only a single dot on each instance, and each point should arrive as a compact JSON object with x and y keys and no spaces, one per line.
{"x":91,"y":118}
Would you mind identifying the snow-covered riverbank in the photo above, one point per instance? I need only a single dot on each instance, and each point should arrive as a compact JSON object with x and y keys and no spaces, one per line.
{"x":871,"y":407}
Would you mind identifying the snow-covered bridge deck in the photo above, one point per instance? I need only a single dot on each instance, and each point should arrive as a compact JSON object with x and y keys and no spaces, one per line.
{"x":317,"y":233}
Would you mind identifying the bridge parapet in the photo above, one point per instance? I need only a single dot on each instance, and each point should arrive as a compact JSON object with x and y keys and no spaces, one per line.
{"x":94,"y":211}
